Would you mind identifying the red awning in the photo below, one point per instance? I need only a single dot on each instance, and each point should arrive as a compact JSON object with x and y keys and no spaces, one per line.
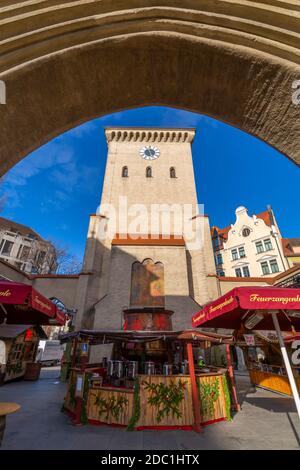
{"x":251,"y":305}
{"x":291,"y":339}
{"x":22,"y":304}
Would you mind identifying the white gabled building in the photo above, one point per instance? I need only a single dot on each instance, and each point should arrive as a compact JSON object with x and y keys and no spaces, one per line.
{"x":25,"y":249}
{"x":251,"y":247}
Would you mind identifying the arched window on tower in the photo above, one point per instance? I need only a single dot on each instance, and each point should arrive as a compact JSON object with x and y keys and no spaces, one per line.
{"x":125,"y":172}
{"x":148,"y":172}
{"x":172,"y":172}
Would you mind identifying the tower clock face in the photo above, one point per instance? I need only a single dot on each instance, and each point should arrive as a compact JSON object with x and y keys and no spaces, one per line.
{"x":149,"y":152}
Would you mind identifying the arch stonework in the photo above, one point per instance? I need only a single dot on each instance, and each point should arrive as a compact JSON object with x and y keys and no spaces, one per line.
{"x":65,"y":62}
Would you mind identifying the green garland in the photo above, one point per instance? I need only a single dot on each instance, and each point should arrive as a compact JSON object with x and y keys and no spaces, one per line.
{"x":136,"y":406}
{"x":208,"y":394}
{"x":111,"y":405}
{"x":15,"y":368}
{"x":166,"y":398}
{"x":83,"y":414}
{"x":72,"y":396}
{"x":227,"y":398}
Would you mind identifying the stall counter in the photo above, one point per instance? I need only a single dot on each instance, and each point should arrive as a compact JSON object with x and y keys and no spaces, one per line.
{"x":265,"y":377}
{"x":155,"y":401}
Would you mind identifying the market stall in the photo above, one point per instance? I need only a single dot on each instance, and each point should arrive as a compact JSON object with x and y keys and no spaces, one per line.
{"x":257,"y":308}
{"x":18,"y":349}
{"x":21,"y":304}
{"x":147,"y":387}
{"x":22,"y":310}
{"x":264,"y":361}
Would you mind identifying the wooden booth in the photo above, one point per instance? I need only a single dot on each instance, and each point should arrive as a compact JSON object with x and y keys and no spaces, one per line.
{"x":257,"y":309}
{"x":22,"y":310}
{"x":18,"y":349}
{"x":264,"y":361}
{"x":154,"y":380}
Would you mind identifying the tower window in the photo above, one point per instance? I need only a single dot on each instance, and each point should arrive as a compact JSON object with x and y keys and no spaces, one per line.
{"x":172,"y":172}
{"x":125,"y":172}
{"x":148,"y":172}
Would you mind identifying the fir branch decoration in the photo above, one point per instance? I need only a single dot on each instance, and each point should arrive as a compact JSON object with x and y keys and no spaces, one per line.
{"x":83,"y":414}
{"x":227,"y":398}
{"x":208,"y":394}
{"x":112,"y":405}
{"x":136,"y":406}
{"x":166,"y":398}
{"x":72,"y":397}
{"x":16,"y":368}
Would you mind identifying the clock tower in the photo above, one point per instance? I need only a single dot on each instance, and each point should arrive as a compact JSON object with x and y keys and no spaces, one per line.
{"x":148,"y":245}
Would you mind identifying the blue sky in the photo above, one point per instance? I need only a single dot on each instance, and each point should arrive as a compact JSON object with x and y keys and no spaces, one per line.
{"x":57,"y":187}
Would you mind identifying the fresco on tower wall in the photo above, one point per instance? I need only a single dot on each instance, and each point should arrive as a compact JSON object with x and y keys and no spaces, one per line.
{"x":147,"y":284}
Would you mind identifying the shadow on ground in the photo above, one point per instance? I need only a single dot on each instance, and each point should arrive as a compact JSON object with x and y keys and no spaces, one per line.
{"x":267,"y":421}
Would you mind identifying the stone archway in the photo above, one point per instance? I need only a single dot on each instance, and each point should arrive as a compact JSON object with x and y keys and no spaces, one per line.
{"x":65,"y":62}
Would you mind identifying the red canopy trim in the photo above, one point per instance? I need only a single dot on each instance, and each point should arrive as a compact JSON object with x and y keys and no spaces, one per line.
{"x":291,"y":339}
{"x":41,"y":303}
{"x":60,"y":317}
{"x":24,"y":304}
{"x":229,"y":310}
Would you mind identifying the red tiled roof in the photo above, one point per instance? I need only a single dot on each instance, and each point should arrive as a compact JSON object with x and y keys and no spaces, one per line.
{"x":10,"y":225}
{"x":223,"y":232}
{"x":267,"y":280}
{"x":266,"y":217}
{"x":288,"y":244}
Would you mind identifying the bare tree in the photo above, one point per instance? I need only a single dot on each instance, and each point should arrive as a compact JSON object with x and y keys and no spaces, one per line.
{"x":65,"y":261}
{"x":53,"y":258}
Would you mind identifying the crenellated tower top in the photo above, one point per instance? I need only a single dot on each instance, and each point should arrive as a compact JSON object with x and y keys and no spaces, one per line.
{"x":132,"y":134}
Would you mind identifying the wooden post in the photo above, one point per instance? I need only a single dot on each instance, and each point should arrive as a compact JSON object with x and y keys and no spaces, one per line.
{"x":73,"y":357}
{"x":236,"y":404}
{"x":79,"y":398}
{"x":78,"y":407}
{"x":195,"y":395}
{"x":286,"y":361}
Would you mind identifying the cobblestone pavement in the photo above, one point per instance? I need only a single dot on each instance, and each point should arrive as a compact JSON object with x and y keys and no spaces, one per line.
{"x":267,"y":421}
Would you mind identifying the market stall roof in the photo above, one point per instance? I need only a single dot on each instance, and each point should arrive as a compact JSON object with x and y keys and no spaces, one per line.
{"x":251,"y":305}
{"x":12,"y":331}
{"x":292,"y":338}
{"x":133,"y":336}
{"x":259,"y":308}
{"x":21,"y":303}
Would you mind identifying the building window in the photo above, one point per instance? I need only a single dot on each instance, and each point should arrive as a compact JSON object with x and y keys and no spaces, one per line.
{"x":265,"y":267}
{"x":246,"y":232}
{"x":242,"y":253}
{"x":246,"y":272}
{"x":234,"y":254}
{"x":259,"y":247}
{"x":16,"y":352}
{"x":19,"y":251}
{"x":148,"y":172}
{"x":268,"y":244}
{"x":31,"y":236}
{"x":216,"y":242}
{"x":25,"y":253}
{"x":172,"y":172}
{"x":41,"y":258}
{"x":125,"y":172}
{"x":219,"y":259}
{"x":7,"y":247}
{"x":238,"y":272}
{"x":221,"y":273}
{"x":274,"y":266}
